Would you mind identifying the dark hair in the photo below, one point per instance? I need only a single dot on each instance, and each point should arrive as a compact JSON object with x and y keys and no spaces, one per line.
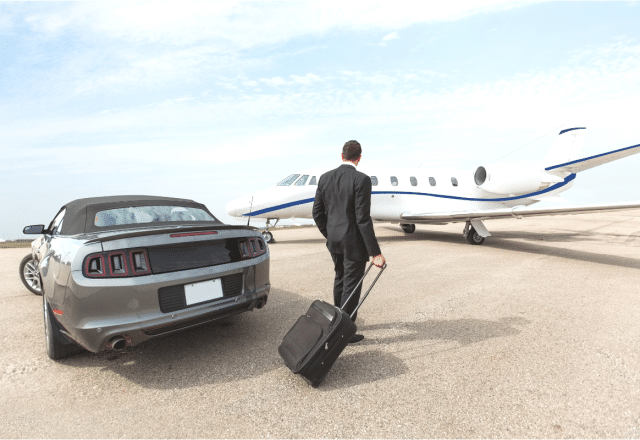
{"x":352,"y":150}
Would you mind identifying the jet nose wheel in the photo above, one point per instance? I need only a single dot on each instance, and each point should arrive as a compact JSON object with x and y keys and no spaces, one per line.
{"x":268,"y":237}
{"x":474,"y":238}
{"x":408,"y":229}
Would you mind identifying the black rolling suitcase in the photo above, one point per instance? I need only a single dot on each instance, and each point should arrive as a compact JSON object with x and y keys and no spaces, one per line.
{"x":319,"y":336}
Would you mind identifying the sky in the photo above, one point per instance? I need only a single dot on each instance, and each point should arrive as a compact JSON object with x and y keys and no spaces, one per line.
{"x":213,"y":100}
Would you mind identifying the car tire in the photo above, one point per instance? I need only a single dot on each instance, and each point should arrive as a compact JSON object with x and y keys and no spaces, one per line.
{"x":30,"y":275}
{"x":58,"y":347}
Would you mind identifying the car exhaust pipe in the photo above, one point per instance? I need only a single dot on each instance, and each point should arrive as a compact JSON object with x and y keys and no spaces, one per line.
{"x":116,"y":343}
{"x":261,"y":304}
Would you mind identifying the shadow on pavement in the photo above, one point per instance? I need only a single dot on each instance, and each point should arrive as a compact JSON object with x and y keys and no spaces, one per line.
{"x":511,"y":241}
{"x":362,"y":368}
{"x":375,"y":364}
{"x":246,"y":346}
{"x":462,"y":331}
{"x":236,"y":348}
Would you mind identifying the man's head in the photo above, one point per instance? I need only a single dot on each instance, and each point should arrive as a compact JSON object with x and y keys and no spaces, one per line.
{"x":352,"y":151}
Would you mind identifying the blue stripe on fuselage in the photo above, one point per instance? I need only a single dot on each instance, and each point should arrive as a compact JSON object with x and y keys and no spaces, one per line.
{"x":589,"y":158}
{"x":567,"y":179}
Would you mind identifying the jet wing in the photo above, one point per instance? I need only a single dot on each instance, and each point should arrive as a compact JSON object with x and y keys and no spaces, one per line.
{"x":576,"y":166}
{"x":517,"y":212}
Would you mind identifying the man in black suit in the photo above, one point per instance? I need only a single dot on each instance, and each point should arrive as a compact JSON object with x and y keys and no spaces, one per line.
{"x":342,"y":212}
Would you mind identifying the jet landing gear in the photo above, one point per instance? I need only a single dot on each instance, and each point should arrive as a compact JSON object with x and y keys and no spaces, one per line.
{"x":266,"y":235}
{"x":472,"y":235}
{"x":408,"y":229}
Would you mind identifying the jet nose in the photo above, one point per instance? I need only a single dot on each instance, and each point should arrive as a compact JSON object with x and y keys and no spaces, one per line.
{"x":238,"y":207}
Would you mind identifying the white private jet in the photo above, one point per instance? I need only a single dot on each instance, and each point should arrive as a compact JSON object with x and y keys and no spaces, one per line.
{"x":418,"y":196}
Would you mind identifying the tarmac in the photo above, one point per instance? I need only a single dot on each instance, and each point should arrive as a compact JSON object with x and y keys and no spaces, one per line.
{"x":535,"y":334}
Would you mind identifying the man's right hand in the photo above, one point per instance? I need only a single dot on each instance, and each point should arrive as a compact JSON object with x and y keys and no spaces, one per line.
{"x":379,"y":260}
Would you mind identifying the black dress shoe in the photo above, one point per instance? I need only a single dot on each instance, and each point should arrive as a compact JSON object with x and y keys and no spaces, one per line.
{"x":356,"y":338}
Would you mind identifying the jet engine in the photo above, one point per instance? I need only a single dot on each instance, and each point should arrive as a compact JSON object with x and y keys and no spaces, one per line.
{"x":513,"y":180}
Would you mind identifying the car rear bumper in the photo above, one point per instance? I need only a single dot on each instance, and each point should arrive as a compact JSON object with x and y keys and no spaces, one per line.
{"x":99,"y":311}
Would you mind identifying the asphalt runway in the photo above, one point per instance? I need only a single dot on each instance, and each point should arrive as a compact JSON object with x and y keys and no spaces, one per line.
{"x":535,"y":334}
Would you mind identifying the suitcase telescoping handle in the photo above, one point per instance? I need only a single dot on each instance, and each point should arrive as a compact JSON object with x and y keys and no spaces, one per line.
{"x":384,"y":266}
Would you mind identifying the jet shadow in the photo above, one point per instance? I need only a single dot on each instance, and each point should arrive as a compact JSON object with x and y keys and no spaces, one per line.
{"x":507,"y":241}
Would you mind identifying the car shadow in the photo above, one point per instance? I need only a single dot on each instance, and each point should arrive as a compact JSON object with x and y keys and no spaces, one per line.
{"x":235,"y":348}
{"x":246,"y":346}
{"x":513,"y":241}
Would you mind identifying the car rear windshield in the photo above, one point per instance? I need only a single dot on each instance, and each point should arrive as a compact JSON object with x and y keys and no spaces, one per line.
{"x":150,"y":214}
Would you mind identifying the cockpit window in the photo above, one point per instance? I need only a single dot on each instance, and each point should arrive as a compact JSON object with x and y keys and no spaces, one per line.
{"x":289,"y":180}
{"x":313,"y":181}
{"x":301,"y":181}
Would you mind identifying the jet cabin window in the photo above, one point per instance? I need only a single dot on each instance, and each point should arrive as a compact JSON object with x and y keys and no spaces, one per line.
{"x":454,"y":181}
{"x":313,"y":181}
{"x":394,"y":181}
{"x":414,"y":181}
{"x":432,"y":181}
{"x":301,"y":181}
{"x":374,"y":181}
{"x":289,"y":180}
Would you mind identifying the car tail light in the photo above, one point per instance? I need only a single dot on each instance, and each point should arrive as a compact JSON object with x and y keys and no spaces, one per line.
{"x":140,"y":262}
{"x":252,"y":247}
{"x":191,"y":234}
{"x":117,"y":264}
{"x":245,"y":251}
{"x":125,"y":263}
{"x":94,"y":266}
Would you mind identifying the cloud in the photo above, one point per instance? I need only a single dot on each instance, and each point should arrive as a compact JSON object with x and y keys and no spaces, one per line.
{"x":140,"y":46}
{"x":389,"y":37}
{"x":237,"y":25}
{"x":599,"y":87}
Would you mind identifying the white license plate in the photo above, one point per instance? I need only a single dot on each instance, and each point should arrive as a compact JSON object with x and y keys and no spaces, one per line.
{"x":204,"y":291}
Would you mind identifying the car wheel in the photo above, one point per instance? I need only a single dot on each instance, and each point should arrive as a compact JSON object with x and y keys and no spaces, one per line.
{"x":30,"y":275}
{"x":58,"y":347}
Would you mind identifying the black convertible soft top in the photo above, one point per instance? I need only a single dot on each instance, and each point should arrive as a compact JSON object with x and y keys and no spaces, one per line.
{"x":81,"y":210}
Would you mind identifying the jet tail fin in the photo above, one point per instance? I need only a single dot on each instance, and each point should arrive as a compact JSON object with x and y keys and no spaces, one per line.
{"x":566,"y":147}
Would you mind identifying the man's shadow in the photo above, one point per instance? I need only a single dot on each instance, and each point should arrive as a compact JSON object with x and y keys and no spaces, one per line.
{"x":245,"y":346}
{"x":463,"y":331}
{"x":380,"y":363}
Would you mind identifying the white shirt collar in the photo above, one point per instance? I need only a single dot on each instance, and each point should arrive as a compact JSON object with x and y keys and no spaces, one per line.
{"x":350,"y":163}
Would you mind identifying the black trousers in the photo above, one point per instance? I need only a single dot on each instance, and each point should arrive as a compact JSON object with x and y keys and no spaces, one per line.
{"x":348,"y":275}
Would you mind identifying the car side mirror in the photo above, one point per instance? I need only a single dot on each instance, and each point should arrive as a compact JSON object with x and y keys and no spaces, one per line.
{"x":33,"y":229}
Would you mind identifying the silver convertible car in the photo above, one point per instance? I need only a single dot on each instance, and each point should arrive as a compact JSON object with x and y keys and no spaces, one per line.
{"x":116,"y":271}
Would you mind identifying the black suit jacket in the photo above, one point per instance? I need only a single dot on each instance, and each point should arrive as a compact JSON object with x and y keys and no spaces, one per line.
{"x":342,"y":212}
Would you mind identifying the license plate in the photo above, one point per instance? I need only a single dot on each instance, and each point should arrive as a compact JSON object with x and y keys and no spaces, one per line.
{"x":204,"y":291}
